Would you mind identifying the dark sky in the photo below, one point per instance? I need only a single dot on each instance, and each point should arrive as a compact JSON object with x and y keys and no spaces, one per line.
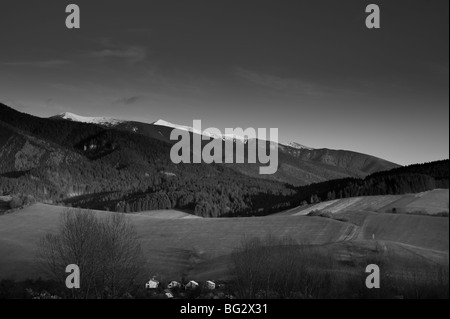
{"x":310,"y":68}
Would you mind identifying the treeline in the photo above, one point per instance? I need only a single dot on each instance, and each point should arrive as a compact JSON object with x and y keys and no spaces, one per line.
{"x":438,"y":170}
{"x":231,"y":195}
{"x":66,"y":133}
{"x":411,"y":179}
{"x":200,"y":189}
{"x":226,"y":194}
{"x":127,"y":172}
{"x":204,"y":190}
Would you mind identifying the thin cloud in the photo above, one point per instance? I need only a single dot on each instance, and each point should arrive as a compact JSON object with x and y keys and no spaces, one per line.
{"x":132,"y":54}
{"x":38,"y":64}
{"x":293,"y":86}
{"x":277,"y":83}
{"x":129,"y":100}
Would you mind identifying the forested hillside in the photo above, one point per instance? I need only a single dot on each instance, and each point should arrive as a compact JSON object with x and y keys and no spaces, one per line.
{"x":90,"y":166}
{"x":408,"y":179}
{"x":121,"y":171}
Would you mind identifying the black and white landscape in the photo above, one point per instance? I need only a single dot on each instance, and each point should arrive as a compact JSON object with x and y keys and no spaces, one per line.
{"x":87,"y":179}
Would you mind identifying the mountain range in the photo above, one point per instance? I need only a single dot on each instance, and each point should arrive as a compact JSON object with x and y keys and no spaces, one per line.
{"x":106,"y":163}
{"x":299,"y":165}
{"x":104,"y":121}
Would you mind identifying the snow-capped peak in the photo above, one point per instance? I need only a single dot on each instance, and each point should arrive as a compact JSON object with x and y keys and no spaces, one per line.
{"x":106,"y":121}
{"x":225,"y":137}
{"x":298,"y":146}
{"x":176,"y":126}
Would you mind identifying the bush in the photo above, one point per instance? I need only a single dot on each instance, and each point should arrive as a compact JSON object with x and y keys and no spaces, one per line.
{"x":16,"y":202}
{"x":318,"y":213}
{"x":205,"y":209}
{"x":443,"y":214}
{"x":280,"y":268}
{"x":106,"y":249}
{"x":28,"y":200}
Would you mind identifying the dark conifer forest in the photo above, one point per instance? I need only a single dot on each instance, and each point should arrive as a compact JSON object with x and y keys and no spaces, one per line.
{"x":89,"y":166}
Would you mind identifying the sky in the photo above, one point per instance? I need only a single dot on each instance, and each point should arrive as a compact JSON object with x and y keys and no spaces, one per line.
{"x":312,"y":69}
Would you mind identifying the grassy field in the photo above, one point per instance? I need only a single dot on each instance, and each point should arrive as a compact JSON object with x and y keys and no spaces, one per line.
{"x":178,"y":244}
{"x":419,"y":231}
{"x":167,"y":214}
{"x":173,"y":245}
{"x":432,"y":202}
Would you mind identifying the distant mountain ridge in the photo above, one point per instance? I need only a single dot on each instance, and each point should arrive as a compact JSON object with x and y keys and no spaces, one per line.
{"x":125,"y":166}
{"x":298,"y":146}
{"x":104,"y":121}
{"x":224,"y":137}
{"x":20,"y":152}
{"x":299,"y":164}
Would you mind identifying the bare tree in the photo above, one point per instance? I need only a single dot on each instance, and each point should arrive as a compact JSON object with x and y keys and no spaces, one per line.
{"x":279,"y":268}
{"x":106,"y":249}
{"x":122,"y":260}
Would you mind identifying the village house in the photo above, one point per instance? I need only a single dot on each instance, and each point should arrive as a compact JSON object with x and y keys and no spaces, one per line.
{"x":168,"y":294}
{"x":191,"y":285}
{"x":152,"y":284}
{"x":173,"y":284}
{"x":210,"y":285}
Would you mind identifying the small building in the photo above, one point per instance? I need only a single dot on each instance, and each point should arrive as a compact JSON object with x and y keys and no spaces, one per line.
{"x":168,"y":294}
{"x":173,"y":284}
{"x":192,"y":285}
{"x":210,"y":285}
{"x":152,"y":284}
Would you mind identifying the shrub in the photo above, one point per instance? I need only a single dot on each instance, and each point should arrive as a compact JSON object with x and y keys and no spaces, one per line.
{"x":279,"y":268}
{"x":318,"y":213}
{"x":106,"y":249}
{"x":16,"y":202}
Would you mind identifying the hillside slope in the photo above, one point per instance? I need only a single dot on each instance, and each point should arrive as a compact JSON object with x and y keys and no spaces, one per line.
{"x":20,"y":152}
{"x":297,"y":166}
{"x":202,"y":247}
{"x":430,"y":202}
{"x":119,"y":170}
{"x":168,"y":243}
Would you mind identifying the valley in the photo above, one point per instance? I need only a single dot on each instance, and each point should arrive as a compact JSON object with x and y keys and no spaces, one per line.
{"x":114,"y":165}
{"x":178,"y":244}
{"x":340,"y":210}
